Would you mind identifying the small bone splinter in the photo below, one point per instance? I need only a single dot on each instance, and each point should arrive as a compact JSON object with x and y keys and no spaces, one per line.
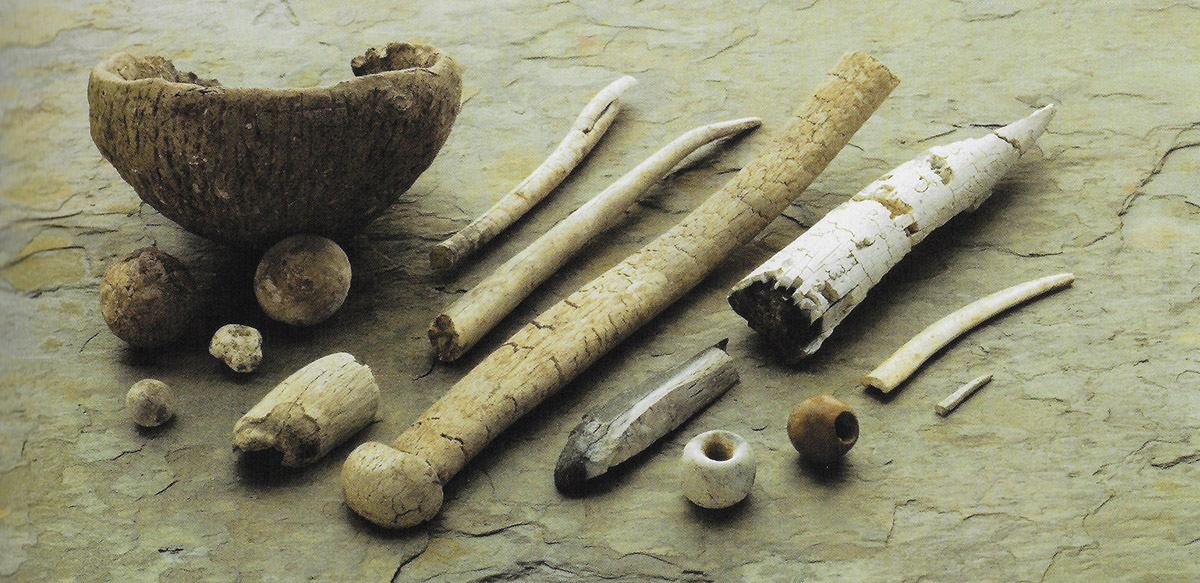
{"x":955,"y":398}
{"x":905,"y":361}
{"x":465,"y":322}
{"x":401,"y":484}
{"x":800,"y":294}
{"x":587,"y":130}
{"x":964,"y":392}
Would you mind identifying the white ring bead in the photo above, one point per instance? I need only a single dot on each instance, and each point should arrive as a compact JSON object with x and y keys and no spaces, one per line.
{"x":717,"y":469}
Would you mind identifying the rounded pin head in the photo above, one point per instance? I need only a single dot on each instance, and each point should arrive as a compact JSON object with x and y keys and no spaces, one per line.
{"x":389,"y":487}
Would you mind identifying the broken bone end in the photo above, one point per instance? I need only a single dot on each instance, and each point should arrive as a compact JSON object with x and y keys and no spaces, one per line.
{"x":287,"y":429}
{"x":570,"y":472}
{"x":771,"y":310}
{"x":445,"y":339}
{"x":441,"y":257}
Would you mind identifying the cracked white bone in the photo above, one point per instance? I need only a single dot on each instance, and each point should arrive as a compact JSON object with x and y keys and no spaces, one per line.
{"x":472,"y":315}
{"x":800,"y":294}
{"x":908,"y":358}
{"x":311,"y":411}
{"x":634,"y":419}
{"x":589,"y":127}
{"x":953,"y":400}
{"x":401,"y":484}
{"x":238,"y":346}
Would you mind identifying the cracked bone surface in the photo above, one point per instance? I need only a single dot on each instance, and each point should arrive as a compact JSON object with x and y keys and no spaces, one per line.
{"x":401,"y":484}
{"x":461,"y":325}
{"x":909,"y":357}
{"x":800,"y":294}
{"x":311,"y":411}
{"x":634,"y":419}
{"x":584,"y":134}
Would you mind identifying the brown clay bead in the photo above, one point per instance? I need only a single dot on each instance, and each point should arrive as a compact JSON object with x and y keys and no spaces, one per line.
{"x":822,"y":429}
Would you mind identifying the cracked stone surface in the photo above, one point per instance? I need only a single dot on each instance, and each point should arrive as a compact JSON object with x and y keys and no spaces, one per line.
{"x":1078,"y":462}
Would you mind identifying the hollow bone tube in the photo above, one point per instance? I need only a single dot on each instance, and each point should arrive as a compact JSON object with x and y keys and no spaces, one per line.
{"x":800,"y":294}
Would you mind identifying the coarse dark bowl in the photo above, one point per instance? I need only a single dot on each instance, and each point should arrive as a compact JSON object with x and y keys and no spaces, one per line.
{"x":249,"y":166}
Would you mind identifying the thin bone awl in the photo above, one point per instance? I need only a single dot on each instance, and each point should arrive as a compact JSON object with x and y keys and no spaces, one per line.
{"x":909,"y":357}
{"x":584,"y":134}
{"x":636,"y":418}
{"x":963,"y":393}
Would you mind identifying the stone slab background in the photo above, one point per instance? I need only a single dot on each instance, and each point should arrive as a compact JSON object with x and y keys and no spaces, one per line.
{"x":1078,"y":462}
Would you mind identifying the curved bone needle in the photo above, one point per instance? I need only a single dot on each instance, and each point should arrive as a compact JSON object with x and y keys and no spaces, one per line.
{"x":900,"y":365}
{"x":587,"y":130}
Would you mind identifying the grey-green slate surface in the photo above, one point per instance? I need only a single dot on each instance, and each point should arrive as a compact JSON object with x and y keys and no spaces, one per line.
{"x":1080,"y":461}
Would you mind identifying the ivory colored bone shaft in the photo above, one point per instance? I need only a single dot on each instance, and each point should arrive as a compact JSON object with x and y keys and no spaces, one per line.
{"x":311,"y":411}
{"x":901,"y":364}
{"x":457,"y":329}
{"x":587,"y":130}
{"x":951,"y":402}
{"x":800,"y":294}
{"x":634,"y":419}
{"x":401,"y":484}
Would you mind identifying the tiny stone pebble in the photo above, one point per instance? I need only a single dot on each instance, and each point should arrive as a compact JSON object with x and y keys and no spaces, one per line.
{"x":149,"y":403}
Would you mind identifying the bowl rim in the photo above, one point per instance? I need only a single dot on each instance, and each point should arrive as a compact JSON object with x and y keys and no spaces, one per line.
{"x":103,"y":71}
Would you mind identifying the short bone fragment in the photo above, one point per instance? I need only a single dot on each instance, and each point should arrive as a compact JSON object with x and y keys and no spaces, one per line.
{"x":951,"y":402}
{"x":312,"y":411}
{"x":587,"y":130}
{"x":461,"y":325}
{"x":401,"y":484}
{"x":634,"y":419}
{"x":238,"y":346}
{"x":901,"y":364}
{"x":799,"y":295}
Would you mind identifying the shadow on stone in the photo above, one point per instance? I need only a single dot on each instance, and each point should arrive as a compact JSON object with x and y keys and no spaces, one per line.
{"x":830,"y":475}
{"x":723,"y":515}
{"x":154,"y":432}
{"x":263,"y":469}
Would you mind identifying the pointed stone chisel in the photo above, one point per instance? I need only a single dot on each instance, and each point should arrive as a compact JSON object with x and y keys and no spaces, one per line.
{"x":636,"y":418}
